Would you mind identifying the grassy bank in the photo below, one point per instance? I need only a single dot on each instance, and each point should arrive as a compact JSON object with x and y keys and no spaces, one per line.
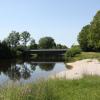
{"x":87,"y":88}
{"x":85,"y":55}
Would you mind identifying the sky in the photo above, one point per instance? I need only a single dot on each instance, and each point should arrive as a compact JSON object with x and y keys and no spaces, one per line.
{"x":60,"y":19}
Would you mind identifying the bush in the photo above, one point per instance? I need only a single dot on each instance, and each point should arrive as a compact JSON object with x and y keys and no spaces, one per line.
{"x":72,"y":52}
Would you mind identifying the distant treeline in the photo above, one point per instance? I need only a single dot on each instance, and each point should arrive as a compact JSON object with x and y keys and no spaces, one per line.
{"x":14,"y":45}
{"x":89,"y":40}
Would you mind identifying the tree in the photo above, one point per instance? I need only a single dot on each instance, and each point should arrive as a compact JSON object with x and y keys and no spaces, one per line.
{"x":83,"y":38}
{"x":5,"y":51}
{"x":47,"y":43}
{"x":89,"y":37}
{"x":25,"y":37}
{"x":71,"y":52}
{"x":60,"y":46}
{"x":95,"y":31}
{"x":7,"y":42}
{"x":13,"y":39}
{"x":33,"y":45}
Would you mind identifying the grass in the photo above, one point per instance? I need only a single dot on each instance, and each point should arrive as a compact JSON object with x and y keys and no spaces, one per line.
{"x":87,"y":88}
{"x":86,"y":55}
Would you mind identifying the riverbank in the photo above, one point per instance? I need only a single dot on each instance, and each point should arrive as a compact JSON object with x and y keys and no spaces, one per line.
{"x":85,"y":55}
{"x":80,"y":68}
{"x":87,"y":88}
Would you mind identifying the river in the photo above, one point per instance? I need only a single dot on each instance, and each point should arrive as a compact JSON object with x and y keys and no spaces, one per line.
{"x":19,"y":71}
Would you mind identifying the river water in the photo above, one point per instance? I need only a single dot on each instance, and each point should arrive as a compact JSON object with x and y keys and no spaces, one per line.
{"x":28,"y":71}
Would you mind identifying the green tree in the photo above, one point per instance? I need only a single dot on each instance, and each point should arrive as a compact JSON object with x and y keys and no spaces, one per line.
{"x":71,"y":52}
{"x":60,"y":46}
{"x":95,"y":31}
{"x":25,"y":37}
{"x":47,"y":43}
{"x":13,"y":39}
{"x":83,"y":38}
{"x":33,"y":44}
{"x":5,"y":51}
{"x":89,"y":37}
{"x":7,"y":41}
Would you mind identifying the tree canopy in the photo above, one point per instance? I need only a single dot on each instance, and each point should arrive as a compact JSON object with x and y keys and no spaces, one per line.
{"x":47,"y":43}
{"x":33,"y":44}
{"x":89,"y":37}
{"x":13,"y":39}
{"x":25,"y":36}
{"x":60,"y":46}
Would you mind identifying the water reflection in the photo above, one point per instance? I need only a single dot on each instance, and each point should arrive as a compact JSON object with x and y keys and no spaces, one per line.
{"x":17,"y":70}
{"x":68,"y":66}
{"x":47,"y":66}
{"x":25,"y":72}
{"x":13,"y":72}
{"x":4,"y":65}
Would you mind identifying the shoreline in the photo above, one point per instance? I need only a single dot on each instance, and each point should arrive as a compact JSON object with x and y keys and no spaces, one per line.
{"x":79,"y":69}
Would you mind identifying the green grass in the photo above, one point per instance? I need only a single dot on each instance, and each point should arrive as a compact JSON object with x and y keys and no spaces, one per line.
{"x":87,"y":88}
{"x":86,"y":55}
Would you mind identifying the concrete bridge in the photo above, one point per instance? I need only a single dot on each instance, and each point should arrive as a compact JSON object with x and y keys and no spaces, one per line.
{"x":46,"y":51}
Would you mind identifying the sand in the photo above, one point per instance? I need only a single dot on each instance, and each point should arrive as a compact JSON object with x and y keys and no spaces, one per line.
{"x":79,"y":69}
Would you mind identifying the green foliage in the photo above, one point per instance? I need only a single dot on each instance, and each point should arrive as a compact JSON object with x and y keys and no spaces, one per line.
{"x":6,"y":52}
{"x":72,"y":52}
{"x":95,"y":31}
{"x":85,"y":55}
{"x":11,"y":47}
{"x":84,"y":39}
{"x":33,"y":45}
{"x":16,"y":43}
{"x":25,"y":37}
{"x":89,"y":37}
{"x":13,"y":39}
{"x":87,"y":88}
{"x":19,"y":53}
{"x":47,"y":43}
{"x":60,"y":46}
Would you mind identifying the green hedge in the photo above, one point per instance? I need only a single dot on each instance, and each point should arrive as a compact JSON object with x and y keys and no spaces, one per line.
{"x":72,"y":52}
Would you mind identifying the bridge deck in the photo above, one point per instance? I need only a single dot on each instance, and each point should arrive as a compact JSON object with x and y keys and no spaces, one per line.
{"x":40,"y":50}
{"x":46,"y":51}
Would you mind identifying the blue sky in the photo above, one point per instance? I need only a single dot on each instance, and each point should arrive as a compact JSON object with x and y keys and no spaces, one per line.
{"x":60,"y":19}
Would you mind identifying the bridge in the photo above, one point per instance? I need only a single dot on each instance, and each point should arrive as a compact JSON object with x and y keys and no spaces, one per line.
{"x":46,"y":51}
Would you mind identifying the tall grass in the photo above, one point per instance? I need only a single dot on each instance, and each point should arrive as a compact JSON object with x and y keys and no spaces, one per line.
{"x":87,"y":88}
{"x":85,"y":55}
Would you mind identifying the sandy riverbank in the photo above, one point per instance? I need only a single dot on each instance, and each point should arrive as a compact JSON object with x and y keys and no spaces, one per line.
{"x":79,"y":69}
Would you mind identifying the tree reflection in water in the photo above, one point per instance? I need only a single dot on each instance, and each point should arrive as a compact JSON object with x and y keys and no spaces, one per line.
{"x":68,"y":66}
{"x":47,"y":66}
{"x":22,"y":70}
{"x":33,"y":66}
{"x":15,"y":70}
{"x":14,"y":73}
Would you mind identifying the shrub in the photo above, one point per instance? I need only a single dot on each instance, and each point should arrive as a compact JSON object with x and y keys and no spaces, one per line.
{"x":72,"y":52}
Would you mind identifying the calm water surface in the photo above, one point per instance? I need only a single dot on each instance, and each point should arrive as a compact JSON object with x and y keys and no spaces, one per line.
{"x":28,"y":71}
